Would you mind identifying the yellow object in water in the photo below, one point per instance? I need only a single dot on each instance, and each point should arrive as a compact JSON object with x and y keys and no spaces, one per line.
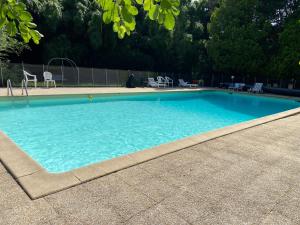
{"x":90,"y":97}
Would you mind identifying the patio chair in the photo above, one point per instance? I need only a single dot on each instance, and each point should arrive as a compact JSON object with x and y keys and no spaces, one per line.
{"x":152,"y":82}
{"x":29,"y":78}
{"x":182,"y":83}
{"x":234,"y":86}
{"x":161,"y":81}
{"x":169,"y":81}
{"x":257,"y":88}
{"x":237,"y":86}
{"x":48,"y":79}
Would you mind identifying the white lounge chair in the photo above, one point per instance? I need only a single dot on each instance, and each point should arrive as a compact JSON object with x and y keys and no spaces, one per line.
{"x":48,"y":79}
{"x":233,"y":86}
{"x":237,"y":86}
{"x":152,"y":82}
{"x":182,"y":83}
{"x":29,"y":78}
{"x":169,"y":81}
{"x":161,"y":81}
{"x":257,"y":88}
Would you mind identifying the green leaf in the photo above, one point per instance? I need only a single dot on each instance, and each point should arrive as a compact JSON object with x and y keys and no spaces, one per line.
{"x":121,"y":32}
{"x":10,"y":15}
{"x":116,"y":27}
{"x":36,"y":36}
{"x":175,"y":11}
{"x":169,"y":22}
{"x":107,"y":5}
{"x":23,"y":28}
{"x":116,"y":17}
{"x":140,"y":2}
{"x":147,"y":5}
{"x":126,"y":15}
{"x":165,"y":4}
{"x":122,"y":13}
{"x":127,"y":2}
{"x":31,"y":25}
{"x":133,"y":10}
{"x":161,"y":18}
{"x":11,"y":28}
{"x":25,"y":16}
{"x":154,"y":12}
{"x":26,"y":37}
{"x":176,"y":3}
{"x":130,"y":26}
{"x":3,"y":22}
{"x":20,"y":7}
{"x":107,"y":17}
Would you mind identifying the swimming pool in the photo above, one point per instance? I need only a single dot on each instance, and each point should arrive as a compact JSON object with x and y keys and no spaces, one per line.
{"x":64,"y":133}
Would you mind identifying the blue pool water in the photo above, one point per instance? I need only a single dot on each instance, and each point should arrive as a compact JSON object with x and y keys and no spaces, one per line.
{"x":66,"y":133}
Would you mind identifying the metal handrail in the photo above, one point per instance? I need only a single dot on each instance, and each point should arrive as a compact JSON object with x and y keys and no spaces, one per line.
{"x":9,"y":88}
{"x":24,"y":87}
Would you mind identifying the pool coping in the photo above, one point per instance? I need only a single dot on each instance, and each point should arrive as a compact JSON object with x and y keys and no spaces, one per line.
{"x":37,"y":182}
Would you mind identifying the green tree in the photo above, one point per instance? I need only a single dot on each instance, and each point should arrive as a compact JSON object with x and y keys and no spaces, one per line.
{"x":9,"y":45}
{"x":245,"y":35}
{"x":235,"y":38}
{"x":286,"y":63}
{"x":80,"y":33}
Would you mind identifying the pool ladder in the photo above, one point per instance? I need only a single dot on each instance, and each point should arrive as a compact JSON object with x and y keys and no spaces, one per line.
{"x":24,"y":87}
{"x":10,"y":89}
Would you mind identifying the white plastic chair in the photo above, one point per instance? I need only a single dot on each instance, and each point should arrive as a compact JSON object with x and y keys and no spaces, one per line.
{"x":48,"y":79}
{"x":182,"y":83}
{"x":161,"y":81}
{"x":29,"y":78}
{"x":234,"y":86}
{"x":152,"y":82}
{"x":257,"y":88}
{"x":169,"y":81}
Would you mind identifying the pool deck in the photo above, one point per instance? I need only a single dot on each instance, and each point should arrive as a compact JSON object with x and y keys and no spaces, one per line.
{"x":250,"y":176}
{"x":92,"y":90}
{"x":248,"y":173}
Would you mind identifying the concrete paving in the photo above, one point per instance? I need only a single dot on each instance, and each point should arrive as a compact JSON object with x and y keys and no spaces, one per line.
{"x":248,"y":177}
{"x":92,"y":90}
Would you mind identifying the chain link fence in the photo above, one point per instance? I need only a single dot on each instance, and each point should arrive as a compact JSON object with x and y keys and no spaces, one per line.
{"x":74,"y":76}
{"x":96,"y":77}
{"x":216,"y":80}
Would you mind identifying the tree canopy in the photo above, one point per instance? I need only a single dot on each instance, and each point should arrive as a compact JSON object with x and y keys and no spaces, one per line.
{"x":255,"y":37}
{"x":15,"y":18}
{"x":74,"y":29}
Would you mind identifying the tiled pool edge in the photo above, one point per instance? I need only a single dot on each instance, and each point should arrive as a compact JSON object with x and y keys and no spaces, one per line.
{"x":37,"y":182}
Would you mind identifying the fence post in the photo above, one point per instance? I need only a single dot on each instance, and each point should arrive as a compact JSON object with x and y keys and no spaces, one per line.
{"x":62,"y":73}
{"x":93,"y":76}
{"x":78,"y":77}
{"x":118,"y":78}
{"x":1,"y":77}
{"x":212,"y":80}
{"x":106,"y":77}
